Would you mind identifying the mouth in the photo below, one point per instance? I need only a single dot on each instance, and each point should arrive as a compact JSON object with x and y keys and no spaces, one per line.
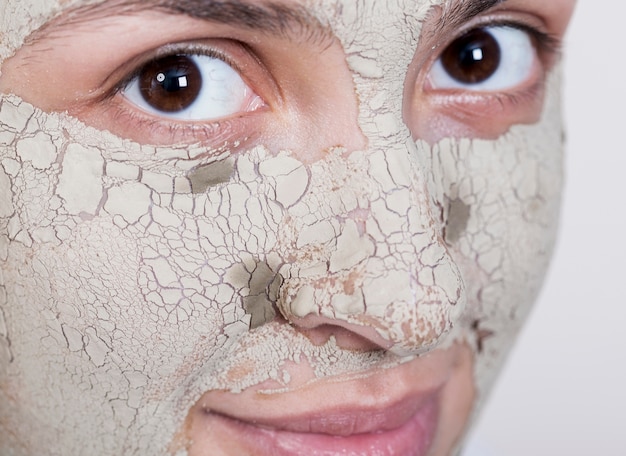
{"x":416,"y":408}
{"x":405,"y":428}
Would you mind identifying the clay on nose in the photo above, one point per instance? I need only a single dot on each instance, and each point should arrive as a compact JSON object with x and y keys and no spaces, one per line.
{"x":365,"y":253}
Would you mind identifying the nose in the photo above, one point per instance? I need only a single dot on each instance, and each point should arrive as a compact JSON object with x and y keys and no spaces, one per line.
{"x":365,"y":258}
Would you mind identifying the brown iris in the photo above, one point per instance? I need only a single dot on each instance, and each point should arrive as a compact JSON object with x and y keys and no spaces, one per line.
{"x":171,"y":83}
{"x":472,"y":58}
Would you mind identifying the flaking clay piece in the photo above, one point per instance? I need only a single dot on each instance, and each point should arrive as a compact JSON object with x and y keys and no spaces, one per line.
{"x":210,"y":175}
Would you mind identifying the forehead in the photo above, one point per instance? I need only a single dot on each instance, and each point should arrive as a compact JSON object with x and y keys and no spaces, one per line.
{"x":23,"y":17}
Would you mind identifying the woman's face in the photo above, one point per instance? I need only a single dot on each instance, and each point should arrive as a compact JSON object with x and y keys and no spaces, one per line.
{"x":269,"y":228}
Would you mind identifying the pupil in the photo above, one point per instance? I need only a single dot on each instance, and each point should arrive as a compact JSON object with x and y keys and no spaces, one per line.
{"x":473,"y":57}
{"x":171,"y":83}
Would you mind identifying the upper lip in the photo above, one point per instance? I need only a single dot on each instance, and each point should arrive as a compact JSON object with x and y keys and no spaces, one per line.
{"x":343,"y":419}
{"x":378,"y":400}
{"x":346,"y":421}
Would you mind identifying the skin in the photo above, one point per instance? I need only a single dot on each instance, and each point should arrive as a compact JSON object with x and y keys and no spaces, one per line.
{"x":353,"y":238}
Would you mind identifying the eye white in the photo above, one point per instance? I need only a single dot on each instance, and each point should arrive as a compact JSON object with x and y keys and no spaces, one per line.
{"x":223,"y":93}
{"x":517,"y":59}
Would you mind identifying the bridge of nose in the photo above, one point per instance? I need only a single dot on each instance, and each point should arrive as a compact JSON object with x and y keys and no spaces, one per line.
{"x":364,"y":245}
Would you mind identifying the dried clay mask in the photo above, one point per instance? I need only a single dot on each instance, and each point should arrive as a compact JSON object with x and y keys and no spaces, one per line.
{"x":358,"y":234}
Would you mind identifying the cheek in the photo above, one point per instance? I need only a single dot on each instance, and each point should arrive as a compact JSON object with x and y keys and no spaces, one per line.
{"x":470,"y":116}
{"x":112,"y":242}
{"x":501,"y":203}
{"x":112,"y":286}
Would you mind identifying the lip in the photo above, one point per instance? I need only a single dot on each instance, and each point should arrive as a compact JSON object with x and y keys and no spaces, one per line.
{"x":418,"y":407}
{"x":406,"y":428}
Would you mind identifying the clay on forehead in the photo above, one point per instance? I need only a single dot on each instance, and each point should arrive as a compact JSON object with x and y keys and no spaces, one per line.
{"x":20,"y":18}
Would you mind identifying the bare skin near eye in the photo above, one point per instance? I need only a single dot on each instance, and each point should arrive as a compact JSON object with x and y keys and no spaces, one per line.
{"x":254,"y":228}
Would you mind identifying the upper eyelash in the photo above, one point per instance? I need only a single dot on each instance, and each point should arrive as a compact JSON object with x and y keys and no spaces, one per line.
{"x":546,"y":42}
{"x":548,"y":47}
{"x":173,"y":49}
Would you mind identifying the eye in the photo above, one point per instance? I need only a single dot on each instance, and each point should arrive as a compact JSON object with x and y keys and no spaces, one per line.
{"x":190,"y":87}
{"x":486,"y":59}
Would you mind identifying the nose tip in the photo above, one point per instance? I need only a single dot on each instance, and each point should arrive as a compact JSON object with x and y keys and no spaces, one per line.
{"x":368,"y":264}
{"x":367,"y":308}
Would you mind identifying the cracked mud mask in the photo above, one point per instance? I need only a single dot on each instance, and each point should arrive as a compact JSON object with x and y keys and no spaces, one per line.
{"x":261,"y":228}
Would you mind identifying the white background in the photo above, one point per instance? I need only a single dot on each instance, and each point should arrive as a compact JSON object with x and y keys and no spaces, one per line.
{"x":563,"y":390}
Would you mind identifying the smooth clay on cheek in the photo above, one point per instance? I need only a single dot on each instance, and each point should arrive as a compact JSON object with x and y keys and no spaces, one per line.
{"x":501,"y":204}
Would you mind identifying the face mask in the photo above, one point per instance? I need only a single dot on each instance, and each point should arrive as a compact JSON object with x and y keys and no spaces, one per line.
{"x":136,"y":278}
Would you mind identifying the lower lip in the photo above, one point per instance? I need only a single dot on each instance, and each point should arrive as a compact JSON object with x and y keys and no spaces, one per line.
{"x":413,"y":438}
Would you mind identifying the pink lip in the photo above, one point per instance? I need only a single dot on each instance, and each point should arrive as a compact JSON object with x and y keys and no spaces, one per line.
{"x":404,"y":429}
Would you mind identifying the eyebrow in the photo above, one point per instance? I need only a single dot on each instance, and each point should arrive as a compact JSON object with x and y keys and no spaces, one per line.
{"x":458,"y":12}
{"x":264,"y":16}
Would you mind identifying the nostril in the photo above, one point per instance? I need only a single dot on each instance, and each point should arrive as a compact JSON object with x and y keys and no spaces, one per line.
{"x":319,"y":330}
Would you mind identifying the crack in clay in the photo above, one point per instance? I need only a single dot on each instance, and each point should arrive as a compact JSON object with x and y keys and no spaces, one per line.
{"x":162,"y":273}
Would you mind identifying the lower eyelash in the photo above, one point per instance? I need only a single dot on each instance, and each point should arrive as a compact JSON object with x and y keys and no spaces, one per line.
{"x":210,"y":133}
{"x":520,"y":97}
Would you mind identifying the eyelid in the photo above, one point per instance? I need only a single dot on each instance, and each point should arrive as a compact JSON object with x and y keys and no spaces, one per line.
{"x":435,"y":113}
{"x":162,"y":130}
{"x":548,"y":45}
{"x":114,"y":84}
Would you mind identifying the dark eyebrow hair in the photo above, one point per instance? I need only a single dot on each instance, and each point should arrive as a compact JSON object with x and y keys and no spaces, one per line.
{"x":458,"y":12}
{"x":265,"y":16}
